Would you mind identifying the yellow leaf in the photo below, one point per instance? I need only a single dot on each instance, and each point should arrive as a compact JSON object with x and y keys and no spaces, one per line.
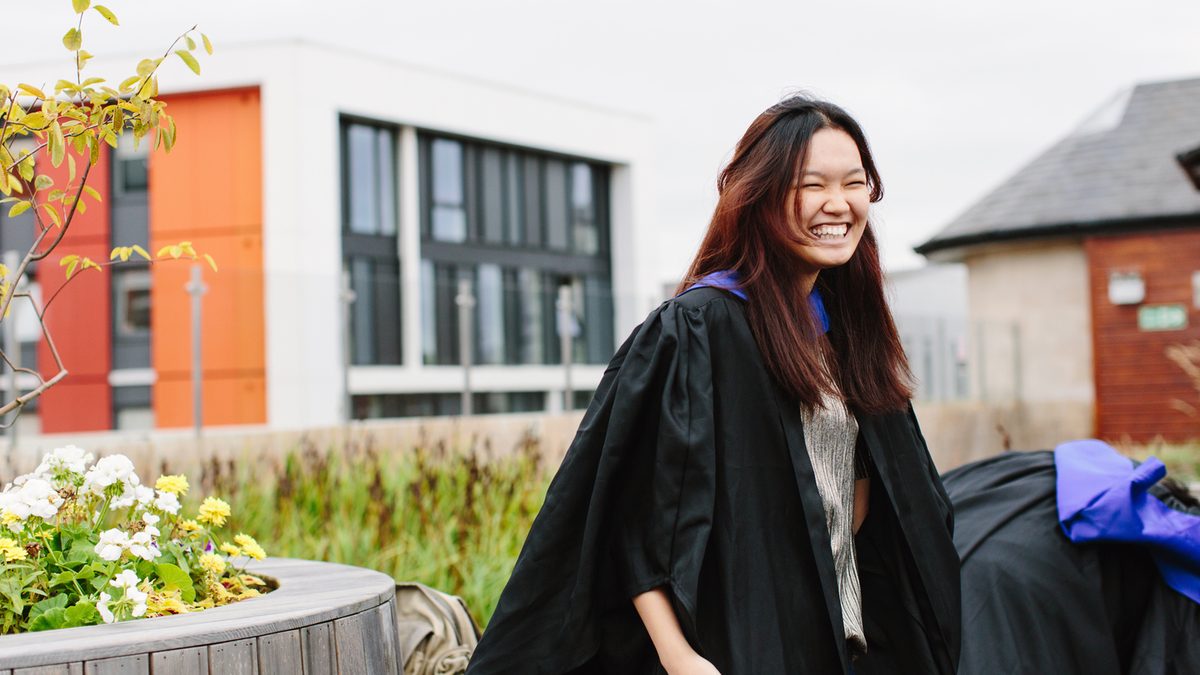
{"x":107,"y":14}
{"x":52,"y":213}
{"x":91,"y":192}
{"x":211,"y":263}
{"x":73,"y":40}
{"x":207,"y":43}
{"x":57,"y":145}
{"x":3,"y":271}
{"x":18,"y":208}
{"x":125,"y":251}
{"x":176,"y":251}
{"x":163,"y":252}
{"x":81,"y":5}
{"x":190,"y":60}
{"x":146,"y":66}
{"x":115,"y":252}
{"x":127,"y":83}
{"x":31,"y":90}
{"x":141,"y":251}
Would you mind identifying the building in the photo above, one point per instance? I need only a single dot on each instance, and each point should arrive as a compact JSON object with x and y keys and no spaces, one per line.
{"x":1091,"y":254}
{"x":315,"y":175}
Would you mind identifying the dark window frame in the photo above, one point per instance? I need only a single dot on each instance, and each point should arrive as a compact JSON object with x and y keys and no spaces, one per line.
{"x":377,"y":251}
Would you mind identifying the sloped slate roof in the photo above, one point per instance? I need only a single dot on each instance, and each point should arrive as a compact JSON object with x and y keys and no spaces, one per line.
{"x":1120,"y":165}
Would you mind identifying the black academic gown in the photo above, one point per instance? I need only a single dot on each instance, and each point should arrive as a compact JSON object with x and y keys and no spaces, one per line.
{"x":689,"y":472}
{"x":1033,"y":602}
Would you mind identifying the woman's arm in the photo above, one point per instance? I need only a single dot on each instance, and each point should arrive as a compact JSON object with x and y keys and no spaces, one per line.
{"x":674,"y":652}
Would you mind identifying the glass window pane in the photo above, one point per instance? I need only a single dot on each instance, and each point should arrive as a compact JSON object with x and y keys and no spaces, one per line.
{"x":583,"y":210}
{"x":598,"y":318}
{"x":362,"y":326}
{"x":362,"y":165}
{"x":428,"y":314}
{"x":489,"y":299}
{"x":386,"y":142}
{"x":513,"y":199}
{"x":447,"y":172}
{"x":386,"y":293}
{"x":532,"y":331}
{"x":557,"y":217}
{"x":532,"y":176}
{"x":493,"y":196}
{"x":449,"y":224}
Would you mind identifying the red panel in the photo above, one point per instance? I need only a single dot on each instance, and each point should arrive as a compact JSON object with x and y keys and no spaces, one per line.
{"x":79,"y":318}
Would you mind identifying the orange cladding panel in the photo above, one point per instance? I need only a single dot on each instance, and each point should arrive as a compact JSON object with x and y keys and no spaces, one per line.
{"x":79,"y":320}
{"x":208,"y":190}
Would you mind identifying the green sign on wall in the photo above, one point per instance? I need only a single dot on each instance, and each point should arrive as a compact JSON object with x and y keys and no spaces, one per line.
{"x":1162,"y":317}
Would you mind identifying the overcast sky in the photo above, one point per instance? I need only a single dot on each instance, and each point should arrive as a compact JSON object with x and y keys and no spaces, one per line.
{"x":954,"y":96}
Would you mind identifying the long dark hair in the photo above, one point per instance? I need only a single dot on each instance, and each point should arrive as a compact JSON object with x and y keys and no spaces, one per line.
{"x":749,"y":233}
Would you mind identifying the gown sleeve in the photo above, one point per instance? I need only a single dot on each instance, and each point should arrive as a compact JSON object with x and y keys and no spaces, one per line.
{"x":629,"y":510}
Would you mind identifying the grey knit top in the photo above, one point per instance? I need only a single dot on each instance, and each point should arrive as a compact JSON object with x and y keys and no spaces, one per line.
{"x":830,"y":433}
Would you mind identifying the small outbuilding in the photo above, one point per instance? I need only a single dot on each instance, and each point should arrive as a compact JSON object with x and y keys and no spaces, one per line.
{"x":1084,"y":278}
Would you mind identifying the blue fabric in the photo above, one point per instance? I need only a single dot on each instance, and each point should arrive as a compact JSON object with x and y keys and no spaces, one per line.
{"x":1102,"y":496}
{"x":728,"y":280}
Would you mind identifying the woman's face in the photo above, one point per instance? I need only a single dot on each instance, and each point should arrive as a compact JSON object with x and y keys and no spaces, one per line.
{"x":833,"y":198}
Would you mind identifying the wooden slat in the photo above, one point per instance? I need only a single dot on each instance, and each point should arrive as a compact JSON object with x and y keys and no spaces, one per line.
{"x":350,"y":636}
{"x":279,"y":654}
{"x":237,"y":657}
{"x":309,"y":593}
{"x":64,"y":669}
{"x":316,"y":649}
{"x":380,"y":645}
{"x":190,"y":661}
{"x":137,"y":664}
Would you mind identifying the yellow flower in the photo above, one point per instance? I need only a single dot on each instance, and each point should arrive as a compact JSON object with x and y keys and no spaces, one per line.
{"x":176,"y":485}
{"x":230,"y":549}
{"x":189,"y":526}
{"x":213,"y":511}
{"x":8,"y":518}
{"x":250,"y":547}
{"x":11,"y":550}
{"x":211,"y":562}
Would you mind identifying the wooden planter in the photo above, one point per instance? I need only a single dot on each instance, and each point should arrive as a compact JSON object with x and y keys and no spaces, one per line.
{"x":322,"y":619}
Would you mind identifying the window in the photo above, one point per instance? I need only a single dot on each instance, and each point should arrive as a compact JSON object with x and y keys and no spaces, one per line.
{"x":370,"y":252}
{"x":131,"y":281}
{"x":449,"y":214}
{"x":132,"y":297}
{"x":371,"y":179}
{"x":516,"y":224}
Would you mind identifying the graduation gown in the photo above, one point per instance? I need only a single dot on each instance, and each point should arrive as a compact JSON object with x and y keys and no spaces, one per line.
{"x":689,"y":472}
{"x":1034,"y":602}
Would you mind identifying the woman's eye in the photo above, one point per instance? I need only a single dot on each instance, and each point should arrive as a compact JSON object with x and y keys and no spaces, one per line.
{"x":812,"y":185}
{"x":856,"y":183}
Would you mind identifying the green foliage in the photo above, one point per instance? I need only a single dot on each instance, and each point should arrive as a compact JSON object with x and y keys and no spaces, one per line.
{"x":83,"y":544}
{"x":444,"y":518}
{"x":1182,"y":459}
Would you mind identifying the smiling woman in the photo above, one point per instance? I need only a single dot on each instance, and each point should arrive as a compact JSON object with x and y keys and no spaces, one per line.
{"x":749,"y":491}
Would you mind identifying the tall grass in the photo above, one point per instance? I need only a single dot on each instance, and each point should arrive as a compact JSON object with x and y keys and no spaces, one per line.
{"x":431,"y":514}
{"x":1182,"y":459}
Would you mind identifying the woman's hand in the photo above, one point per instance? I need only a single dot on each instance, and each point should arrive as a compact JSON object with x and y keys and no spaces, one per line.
{"x":689,"y":663}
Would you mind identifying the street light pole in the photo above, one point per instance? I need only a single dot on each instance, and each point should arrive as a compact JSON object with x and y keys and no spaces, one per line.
{"x":197,"y":288}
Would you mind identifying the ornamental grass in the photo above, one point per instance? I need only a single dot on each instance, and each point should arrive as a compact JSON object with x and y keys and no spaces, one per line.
{"x":440,"y":516}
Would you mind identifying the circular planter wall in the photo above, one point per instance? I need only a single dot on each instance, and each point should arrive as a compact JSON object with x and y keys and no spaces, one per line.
{"x":322,"y":619}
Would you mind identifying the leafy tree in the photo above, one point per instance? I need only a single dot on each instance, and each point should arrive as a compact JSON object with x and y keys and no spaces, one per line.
{"x":70,"y":124}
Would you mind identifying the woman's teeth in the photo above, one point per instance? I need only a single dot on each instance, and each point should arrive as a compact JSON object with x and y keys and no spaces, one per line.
{"x":831,"y":231}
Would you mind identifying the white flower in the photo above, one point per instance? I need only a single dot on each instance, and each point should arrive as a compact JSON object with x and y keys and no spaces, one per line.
{"x":102,"y":607}
{"x":134,"y":494}
{"x":41,"y":498}
{"x":127,"y":579}
{"x":61,"y":462}
{"x":108,"y":471}
{"x":143,"y":546}
{"x":167,"y":502}
{"x":139,"y":600}
{"x":112,"y":544}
